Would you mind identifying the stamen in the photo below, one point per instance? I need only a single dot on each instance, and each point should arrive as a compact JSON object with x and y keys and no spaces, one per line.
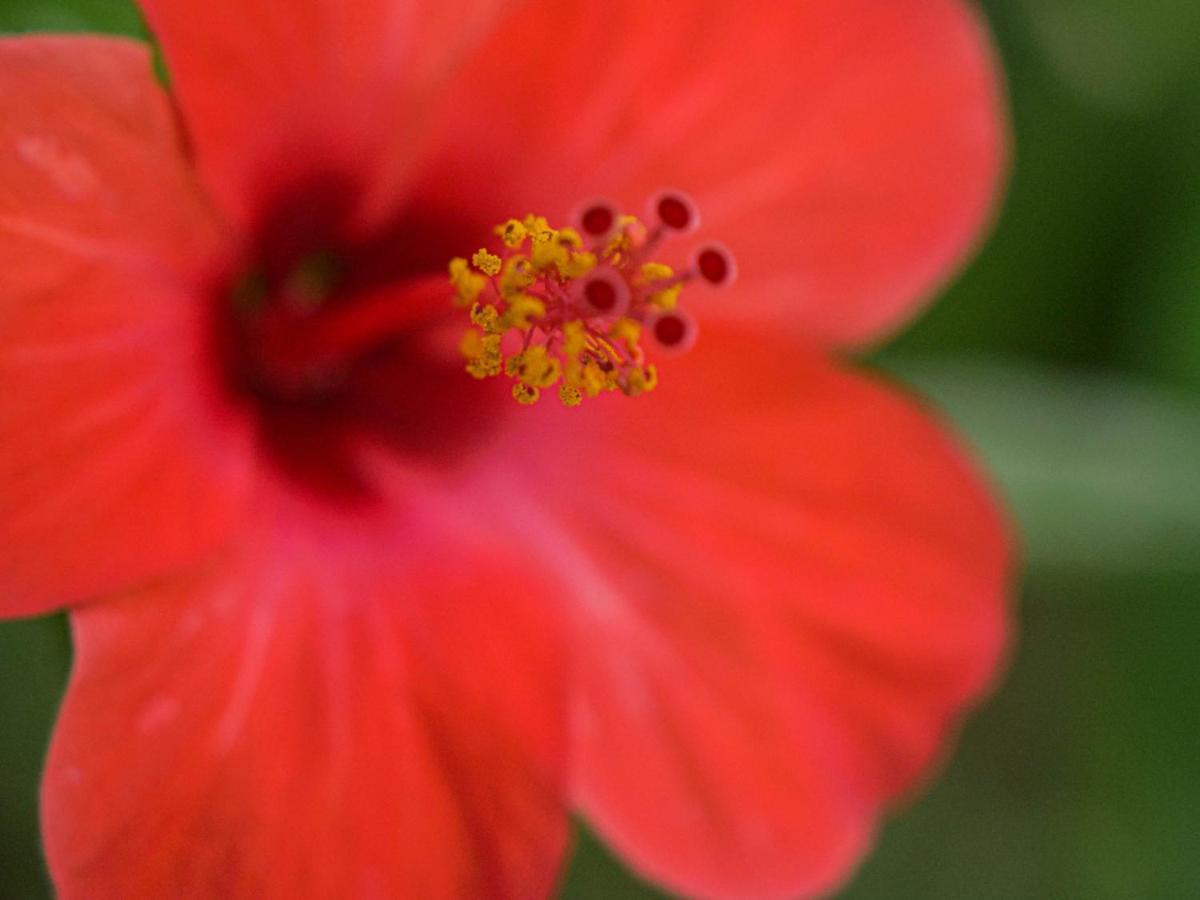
{"x":568,"y":307}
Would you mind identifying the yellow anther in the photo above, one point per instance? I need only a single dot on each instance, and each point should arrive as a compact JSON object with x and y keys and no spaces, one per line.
{"x":654,"y":271}
{"x":574,"y":339}
{"x":524,"y":394}
{"x":467,"y":285}
{"x":483,"y":354}
{"x":522,"y":312}
{"x":629,"y":231}
{"x":570,"y":396}
{"x":577,"y":265}
{"x":591,"y":379}
{"x":569,"y":237}
{"x":535,"y":367}
{"x":606,"y":348}
{"x":549,"y":374}
{"x":640,"y":380}
{"x":546,"y":252}
{"x":488,"y":263}
{"x":628,"y":331}
{"x":536,"y":225}
{"x":483,"y":368}
{"x":518,"y":274}
{"x":513,"y":233}
{"x":486,"y":318}
{"x":616,"y":248}
{"x":471,"y":345}
{"x":666,"y":298}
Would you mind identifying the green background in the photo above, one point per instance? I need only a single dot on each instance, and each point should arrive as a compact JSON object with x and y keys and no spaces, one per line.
{"x":1069,"y":353}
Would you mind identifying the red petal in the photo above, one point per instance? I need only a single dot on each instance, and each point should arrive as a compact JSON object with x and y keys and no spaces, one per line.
{"x":281,"y":89}
{"x":363,"y":711}
{"x":108,"y":473}
{"x":790,"y":587}
{"x":846,"y":150}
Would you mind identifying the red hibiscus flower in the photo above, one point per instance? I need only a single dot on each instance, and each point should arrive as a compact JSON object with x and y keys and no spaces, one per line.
{"x":351,"y":623}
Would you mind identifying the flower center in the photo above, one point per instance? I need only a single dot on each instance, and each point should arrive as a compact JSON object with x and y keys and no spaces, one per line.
{"x":569,"y":307}
{"x":336,"y":338}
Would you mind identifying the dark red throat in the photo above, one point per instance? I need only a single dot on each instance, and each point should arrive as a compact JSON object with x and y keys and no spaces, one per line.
{"x":335,"y":336}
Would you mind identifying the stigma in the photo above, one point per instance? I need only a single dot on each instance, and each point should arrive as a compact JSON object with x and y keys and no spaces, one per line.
{"x":582,"y":309}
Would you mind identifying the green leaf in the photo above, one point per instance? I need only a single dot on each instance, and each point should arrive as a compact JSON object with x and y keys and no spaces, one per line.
{"x":1100,"y":472}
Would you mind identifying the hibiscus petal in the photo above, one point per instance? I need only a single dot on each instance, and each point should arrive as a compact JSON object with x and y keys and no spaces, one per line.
{"x":107,"y":474}
{"x":354,"y":709}
{"x":848,"y":151}
{"x":280,"y":90}
{"x":790,"y":585}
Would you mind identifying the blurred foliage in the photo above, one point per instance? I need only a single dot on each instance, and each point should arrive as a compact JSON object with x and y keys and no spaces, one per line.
{"x":116,"y":16}
{"x":1069,"y":355}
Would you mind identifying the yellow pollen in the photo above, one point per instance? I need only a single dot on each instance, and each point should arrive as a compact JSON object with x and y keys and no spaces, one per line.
{"x":653,"y":271}
{"x":467,"y":285}
{"x":487,"y":263}
{"x":640,"y":381}
{"x":664,"y":298}
{"x":577,"y":264}
{"x":482,"y":351}
{"x":569,"y":396}
{"x":536,"y":225}
{"x":627,"y":331}
{"x":556,"y":309}
{"x":574,"y":339}
{"x":512,"y":233}
{"x":523,"y":310}
{"x":524,"y":394}
{"x":569,"y":237}
{"x":517,"y":275}
{"x":486,"y":318}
